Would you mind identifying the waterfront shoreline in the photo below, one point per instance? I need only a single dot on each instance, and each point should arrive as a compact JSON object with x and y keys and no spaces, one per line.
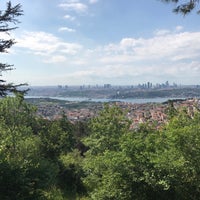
{"x":105,"y":100}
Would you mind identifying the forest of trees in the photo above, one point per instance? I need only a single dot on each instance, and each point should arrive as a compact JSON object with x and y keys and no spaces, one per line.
{"x":100,"y":159}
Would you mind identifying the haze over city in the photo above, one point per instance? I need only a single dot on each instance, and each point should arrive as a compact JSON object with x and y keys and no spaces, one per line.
{"x":75,"y":42}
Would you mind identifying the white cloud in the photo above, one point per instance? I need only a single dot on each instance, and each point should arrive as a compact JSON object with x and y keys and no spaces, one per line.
{"x":66,"y":29}
{"x":69,"y":17}
{"x":179,"y":28}
{"x":55,"y":59}
{"x":71,"y":1}
{"x":173,"y":46}
{"x":46,"y":45}
{"x":93,"y":1}
{"x":125,"y":42}
{"x":38,"y":42}
{"x":74,"y":6}
{"x":162,"y":32}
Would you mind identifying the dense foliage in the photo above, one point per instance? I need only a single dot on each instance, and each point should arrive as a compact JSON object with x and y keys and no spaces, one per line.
{"x":101,"y":159}
{"x":31,"y":149}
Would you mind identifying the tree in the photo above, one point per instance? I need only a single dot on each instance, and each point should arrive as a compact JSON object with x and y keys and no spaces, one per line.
{"x":24,"y":172}
{"x":7,"y":17}
{"x":106,"y":129}
{"x":104,"y":164}
{"x":57,"y":137}
{"x":184,"y":7}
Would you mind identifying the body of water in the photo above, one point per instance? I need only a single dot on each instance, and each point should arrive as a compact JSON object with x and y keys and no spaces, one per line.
{"x":132,"y":100}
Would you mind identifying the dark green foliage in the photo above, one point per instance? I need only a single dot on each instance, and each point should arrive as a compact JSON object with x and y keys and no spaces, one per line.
{"x":25,"y":181}
{"x":184,"y":7}
{"x":7,"y":17}
{"x":57,"y":138}
{"x":71,"y":173}
{"x":30,"y":149}
{"x":25,"y":173}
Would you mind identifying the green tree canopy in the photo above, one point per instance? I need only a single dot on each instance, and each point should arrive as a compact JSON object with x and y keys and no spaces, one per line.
{"x":145,"y":164}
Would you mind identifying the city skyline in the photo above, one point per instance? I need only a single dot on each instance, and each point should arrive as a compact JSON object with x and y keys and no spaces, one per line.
{"x":76,"y":42}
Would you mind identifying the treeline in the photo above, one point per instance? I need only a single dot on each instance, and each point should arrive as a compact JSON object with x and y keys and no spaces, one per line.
{"x":102,"y":159}
{"x":163,"y":93}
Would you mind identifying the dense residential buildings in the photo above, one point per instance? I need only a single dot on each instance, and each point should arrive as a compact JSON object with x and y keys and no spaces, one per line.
{"x":137,"y":113}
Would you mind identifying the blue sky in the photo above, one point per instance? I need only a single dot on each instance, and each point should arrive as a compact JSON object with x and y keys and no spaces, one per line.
{"x":120,"y":42}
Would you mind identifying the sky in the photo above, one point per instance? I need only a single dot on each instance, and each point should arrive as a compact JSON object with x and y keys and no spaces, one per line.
{"x":89,"y":42}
